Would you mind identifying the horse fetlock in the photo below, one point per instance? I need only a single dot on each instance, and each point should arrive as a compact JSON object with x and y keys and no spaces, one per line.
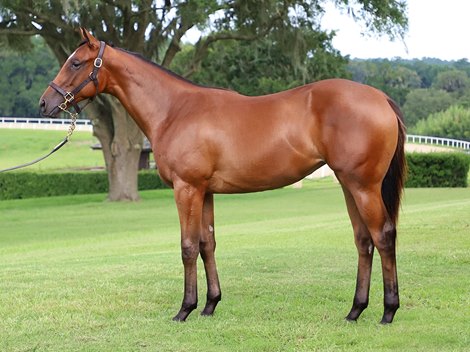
{"x":390,"y":308}
{"x":186,"y":309}
{"x":361,"y":304}
{"x":189,"y":305}
{"x":356,"y":310}
{"x":214,"y":298}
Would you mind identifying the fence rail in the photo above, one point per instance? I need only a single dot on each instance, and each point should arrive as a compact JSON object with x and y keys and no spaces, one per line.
{"x":445,"y":142}
{"x":42,"y":123}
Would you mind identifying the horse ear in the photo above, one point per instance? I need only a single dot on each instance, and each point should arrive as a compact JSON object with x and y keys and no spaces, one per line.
{"x":88,"y":38}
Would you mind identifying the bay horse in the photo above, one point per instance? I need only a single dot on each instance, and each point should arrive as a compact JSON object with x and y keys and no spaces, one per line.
{"x":208,"y":140}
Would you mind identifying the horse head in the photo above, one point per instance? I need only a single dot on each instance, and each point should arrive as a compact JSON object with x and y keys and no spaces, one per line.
{"x":77,"y":79}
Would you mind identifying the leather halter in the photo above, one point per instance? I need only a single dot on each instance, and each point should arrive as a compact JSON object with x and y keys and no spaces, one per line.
{"x":69,"y":97}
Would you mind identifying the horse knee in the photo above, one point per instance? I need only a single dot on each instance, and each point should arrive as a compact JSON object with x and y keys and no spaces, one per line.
{"x":189,"y":251}
{"x":207,"y":245}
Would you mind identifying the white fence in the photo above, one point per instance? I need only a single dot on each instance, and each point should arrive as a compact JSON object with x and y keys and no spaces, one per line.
{"x":43,"y":124}
{"x":445,"y":142}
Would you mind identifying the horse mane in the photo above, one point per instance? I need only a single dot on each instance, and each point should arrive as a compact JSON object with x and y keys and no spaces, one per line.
{"x":164,"y":69}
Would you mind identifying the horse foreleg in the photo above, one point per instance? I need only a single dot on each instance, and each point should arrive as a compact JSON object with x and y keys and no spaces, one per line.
{"x":189,"y":201}
{"x":207,"y":249}
{"x":365,"y":249}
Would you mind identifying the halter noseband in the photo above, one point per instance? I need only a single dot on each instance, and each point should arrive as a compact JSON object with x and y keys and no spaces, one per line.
{"x":69,"y":97}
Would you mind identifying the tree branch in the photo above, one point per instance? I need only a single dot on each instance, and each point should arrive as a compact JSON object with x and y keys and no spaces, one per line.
{"x":175,"y":44}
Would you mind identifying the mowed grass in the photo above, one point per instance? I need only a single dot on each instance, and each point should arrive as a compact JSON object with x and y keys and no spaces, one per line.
{"x":81,"y":274}
{"x":21,"y":146}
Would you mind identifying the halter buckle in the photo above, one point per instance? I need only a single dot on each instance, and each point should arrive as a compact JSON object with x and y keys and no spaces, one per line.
{"x":98,"y":62}
{"x":63,"y":106}
{"x":69,"y":97}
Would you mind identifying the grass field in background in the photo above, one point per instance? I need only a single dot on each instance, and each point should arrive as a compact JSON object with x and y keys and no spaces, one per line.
{"x":22,"y":146}
{"x":81,"y":274}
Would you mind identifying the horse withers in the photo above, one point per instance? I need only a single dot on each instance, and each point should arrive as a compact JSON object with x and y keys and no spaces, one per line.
{"x":208,"y":140}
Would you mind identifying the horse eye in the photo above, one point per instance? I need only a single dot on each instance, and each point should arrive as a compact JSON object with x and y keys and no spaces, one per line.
{"x":76,"y":64}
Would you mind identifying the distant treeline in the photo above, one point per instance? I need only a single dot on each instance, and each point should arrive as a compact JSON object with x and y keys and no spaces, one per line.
{"x":434,"y":94}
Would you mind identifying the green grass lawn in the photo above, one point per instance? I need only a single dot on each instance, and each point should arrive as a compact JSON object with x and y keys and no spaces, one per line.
{"x":81,"y":274}
{"x":22,"y":146}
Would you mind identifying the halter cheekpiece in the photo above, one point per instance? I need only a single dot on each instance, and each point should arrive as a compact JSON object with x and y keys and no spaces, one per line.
{"x":69,"y":97}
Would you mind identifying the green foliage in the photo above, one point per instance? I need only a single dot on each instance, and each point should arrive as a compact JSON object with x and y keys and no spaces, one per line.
{"x":263,"y":67}
{"x":394,"y":79}
{"x":451,"y":123}
{"x":420,"y":103}
{"x":150,"y":180}
{"x":20,"y":185}
{"x":452,"y":81}
{"x":279,"y":44}
{"x":379,"y":16}
{"x":155,"y":28}
{"x":437,"y":169}
{"x":25,"y":76}
{"x":421,"y":87}
{"x":427,"y":69}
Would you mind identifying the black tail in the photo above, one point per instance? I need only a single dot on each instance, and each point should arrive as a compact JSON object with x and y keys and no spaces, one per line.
{"x":394,"y":181}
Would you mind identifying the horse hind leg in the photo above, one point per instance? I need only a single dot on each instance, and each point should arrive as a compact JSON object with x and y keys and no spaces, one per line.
{"x":365,"y":249}
{"x":372,"y":211}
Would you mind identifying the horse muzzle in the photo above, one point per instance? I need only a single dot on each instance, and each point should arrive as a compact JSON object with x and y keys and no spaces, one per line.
{"x":49,"y":107}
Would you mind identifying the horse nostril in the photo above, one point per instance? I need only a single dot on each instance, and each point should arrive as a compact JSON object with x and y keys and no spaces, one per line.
{"x":42,"y":106}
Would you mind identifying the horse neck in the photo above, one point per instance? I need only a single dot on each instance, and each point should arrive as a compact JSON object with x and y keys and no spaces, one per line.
{"x":146,"y":91}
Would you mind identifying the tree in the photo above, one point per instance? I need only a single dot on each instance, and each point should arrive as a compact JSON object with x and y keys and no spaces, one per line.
{"x":24,"y":77}
{"x":156,"y":28}
{"x":263,"y":67}
{"x":451,"y":123}
{"x":394,"y":79}
{"x":420,"y":103}
{"x":452,"y":81}
{"x":427,"y":69}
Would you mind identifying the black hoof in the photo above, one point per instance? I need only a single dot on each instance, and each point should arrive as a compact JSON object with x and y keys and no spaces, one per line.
{"x":211,"y":305}
{"x":387,"y":319}
{"x":207,"y":314}
{"x":389,"y":313}
{"x":179,"y":318}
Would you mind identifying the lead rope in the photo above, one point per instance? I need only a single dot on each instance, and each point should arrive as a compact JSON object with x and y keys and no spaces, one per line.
{"x":69,"y":98}
{"x":73,"y":116}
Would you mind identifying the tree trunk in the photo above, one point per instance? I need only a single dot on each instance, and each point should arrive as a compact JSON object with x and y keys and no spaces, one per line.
{"x":121,"y":140}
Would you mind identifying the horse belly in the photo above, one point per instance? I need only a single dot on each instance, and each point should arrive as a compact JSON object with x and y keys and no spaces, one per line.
{"x":259,"y":171}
